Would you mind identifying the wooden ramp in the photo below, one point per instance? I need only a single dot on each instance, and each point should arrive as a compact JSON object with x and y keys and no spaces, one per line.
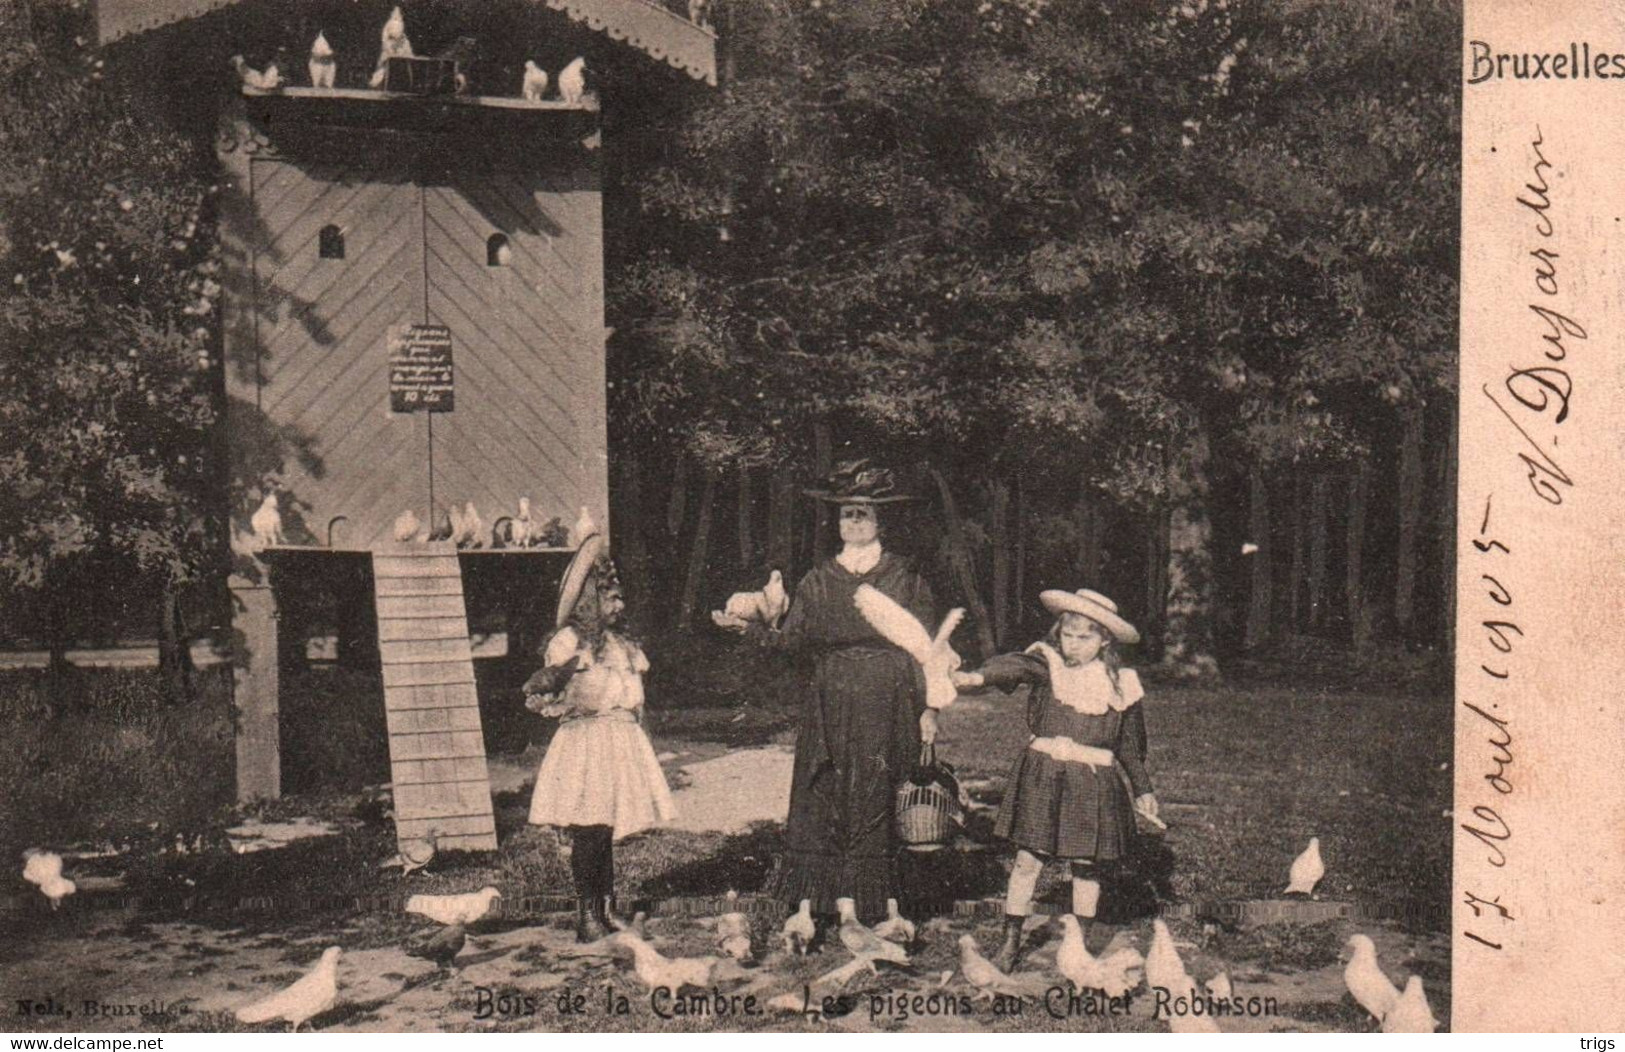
{"x":436,"y":746}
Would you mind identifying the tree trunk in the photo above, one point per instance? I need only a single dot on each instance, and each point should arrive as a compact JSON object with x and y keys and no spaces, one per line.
{"x":1319,"y":498}
{"x":1263,"y":570}
{"x":1410,"y":513}
{"x":1445,"y":536}
{"x":747,"y":541}
{"x":1156,"y":571}
{"x":174,"y":655}
{"x":1187,"y":637}
{"x":1021,"y":555}
{"x":1354,"y":589}
{"x":677,"y":504}
{"x":1300,"y":507}
{"x":781,"y":522}
{"x":631,"y":547}
{"x":699,"y":554}
{"x":823,"y":542}
{"x":960,"y":561}
{"x":1091,"y":526}
{"x":999,"y":535}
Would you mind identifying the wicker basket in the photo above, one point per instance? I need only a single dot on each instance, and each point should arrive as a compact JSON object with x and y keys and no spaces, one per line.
{"x":928,"y":806}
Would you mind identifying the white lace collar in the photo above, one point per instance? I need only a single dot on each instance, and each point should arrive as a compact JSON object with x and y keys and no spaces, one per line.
{"x":1088,"y":688}
{"x":859,"y":560}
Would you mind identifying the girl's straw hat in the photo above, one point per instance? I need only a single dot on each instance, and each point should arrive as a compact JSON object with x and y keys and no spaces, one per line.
{"x":575,"y":578}
{"x":1094,"y":606}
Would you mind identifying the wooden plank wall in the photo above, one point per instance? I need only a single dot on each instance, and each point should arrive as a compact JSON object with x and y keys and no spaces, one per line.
{"x":436,"y":745}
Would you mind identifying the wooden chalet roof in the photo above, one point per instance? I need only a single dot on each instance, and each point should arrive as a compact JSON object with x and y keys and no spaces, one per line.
{"x":644,"y":24}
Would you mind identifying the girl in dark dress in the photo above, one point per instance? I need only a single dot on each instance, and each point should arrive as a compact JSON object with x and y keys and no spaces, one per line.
{"x":864,"y":714}
{"x":1065,"y":799}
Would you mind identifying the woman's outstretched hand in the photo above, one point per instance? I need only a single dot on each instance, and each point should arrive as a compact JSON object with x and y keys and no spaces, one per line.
{"x":966,"y":680}
{"x":730,"y":623}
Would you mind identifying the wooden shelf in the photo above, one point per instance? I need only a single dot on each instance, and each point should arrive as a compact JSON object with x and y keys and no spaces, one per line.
{"x":371,"y":95}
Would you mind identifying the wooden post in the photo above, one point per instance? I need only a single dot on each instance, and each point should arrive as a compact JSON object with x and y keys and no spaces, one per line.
{"x":1259,"y":528}
{"x":699,"y":554}
{"x":254,"y":693}
{"x":1319,"y":498}
{"x":1358,"y":614}
{"x":959,"y":559}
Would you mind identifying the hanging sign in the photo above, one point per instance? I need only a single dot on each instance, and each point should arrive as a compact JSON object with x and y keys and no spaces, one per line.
{"x":420,"y":369}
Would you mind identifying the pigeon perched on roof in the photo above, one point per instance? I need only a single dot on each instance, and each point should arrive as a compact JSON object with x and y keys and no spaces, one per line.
{"x":309,"y":996}
{"x":393,"y":43}
{"x":266,"y":522}
{"x":323,"y":66}
{"x":523,"y":529}
{"x":1306,"y":871}
{"x":585,"y":527}
{"x":253,"y":78}
{"x":454,"y":909}
{"x":534,"y":83}
{"x":443,"y":529}
{"x":934,"y":655}
{"x":469,"y":527}
{"x":44,"y":868}
{"x":573,"y":82}
{"x":407,"y":526}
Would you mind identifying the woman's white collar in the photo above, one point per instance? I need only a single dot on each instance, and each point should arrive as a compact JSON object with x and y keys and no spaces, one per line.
{"x":859,"y":560}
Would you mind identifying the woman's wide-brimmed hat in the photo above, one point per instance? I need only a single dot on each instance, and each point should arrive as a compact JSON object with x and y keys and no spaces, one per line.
{"x":858,"y":482}
{"x":1095,"y":607}
{"x":575,"y":578}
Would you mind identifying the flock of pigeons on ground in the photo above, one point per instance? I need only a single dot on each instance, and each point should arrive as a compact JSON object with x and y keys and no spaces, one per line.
{"x":394,"y":43}
{"x":1115,"y":973}
{"x":463,"y":526}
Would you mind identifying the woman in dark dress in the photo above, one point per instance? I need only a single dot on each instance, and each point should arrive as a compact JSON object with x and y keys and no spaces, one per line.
{"x":863,"y":716}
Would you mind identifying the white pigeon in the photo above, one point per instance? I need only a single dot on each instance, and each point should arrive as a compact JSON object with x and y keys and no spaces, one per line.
{"x":794,"y":1003}
{"x":763,"y":606}
{"x":585,"y":527}
{"x":573,"y":82}
{"x":323,"y":66}
{"x":472,"y":527}
{"x":1114,"y":975}
{"x":1165,"y":971}
{"x":311,"y":995}
{"x":454,"y":909}
{"x":1307,"y":869}
{"x":799,"y":929}
{"x":523,"y":529}
{"x":1411,"y":1013}
{"x":934,"y":655}
{"x":1220,"y":987}
{"x":895,"y":927}
{"x":253,"y":78}
{"x":412,"y":855}
{"x":982,"y":974}
{"x":407,"y":526}
{"x":393,"y":43}
{"x":266,"y":522}
{"x":1365,"y":979}
{"x":44,"y":868}
{"x":699,"y":12}
{"x":655,"y":970}
{"x":733,"y":931}
{"x":534,"y":84}
{"x":861,"y":941}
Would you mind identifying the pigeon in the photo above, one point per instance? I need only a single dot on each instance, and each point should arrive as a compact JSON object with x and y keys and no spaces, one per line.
{"x":470,"y":526}
{"x":443,"y":529}
{"x":980,"y":973}
{"x":266,"y":522}
{"x":861,"y":941}
{"x":1219,"y":987}
{"x":454,"y":909}
{"x":253,"y":78}
{"x":522,"y":533}
{"x":799,"y":930}
{"x":1307,"y":869}
{"x":654,"y":970}
{"x":502,"y":532}
{"x":311,"y":995}
{"x":44,"y":868}
{"x":934,"y":655}
{"x":1366,"y":981}
{"x":733,"y":931}
{"x":552,"y":534}
{"x":795,"y":1004}
{"x":406,"y":526}
{"x":638,"y":925}
{"x":462,"y":55}
{"x":323,"y":66}
{"x":699,"y":12}
{"x":393,"y":43}
{"x":1112,"y":974}
{"x":412,"y":855}
{"x":573,"y":82}
{"x":759,"y":606}
{"x":1165,"y":971}
{"x":440,"y":945}
{"x":1411,"y":1014}
{"x":534,"y":84}
{"x":895,"y":927}
{"x":583,"y":528}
